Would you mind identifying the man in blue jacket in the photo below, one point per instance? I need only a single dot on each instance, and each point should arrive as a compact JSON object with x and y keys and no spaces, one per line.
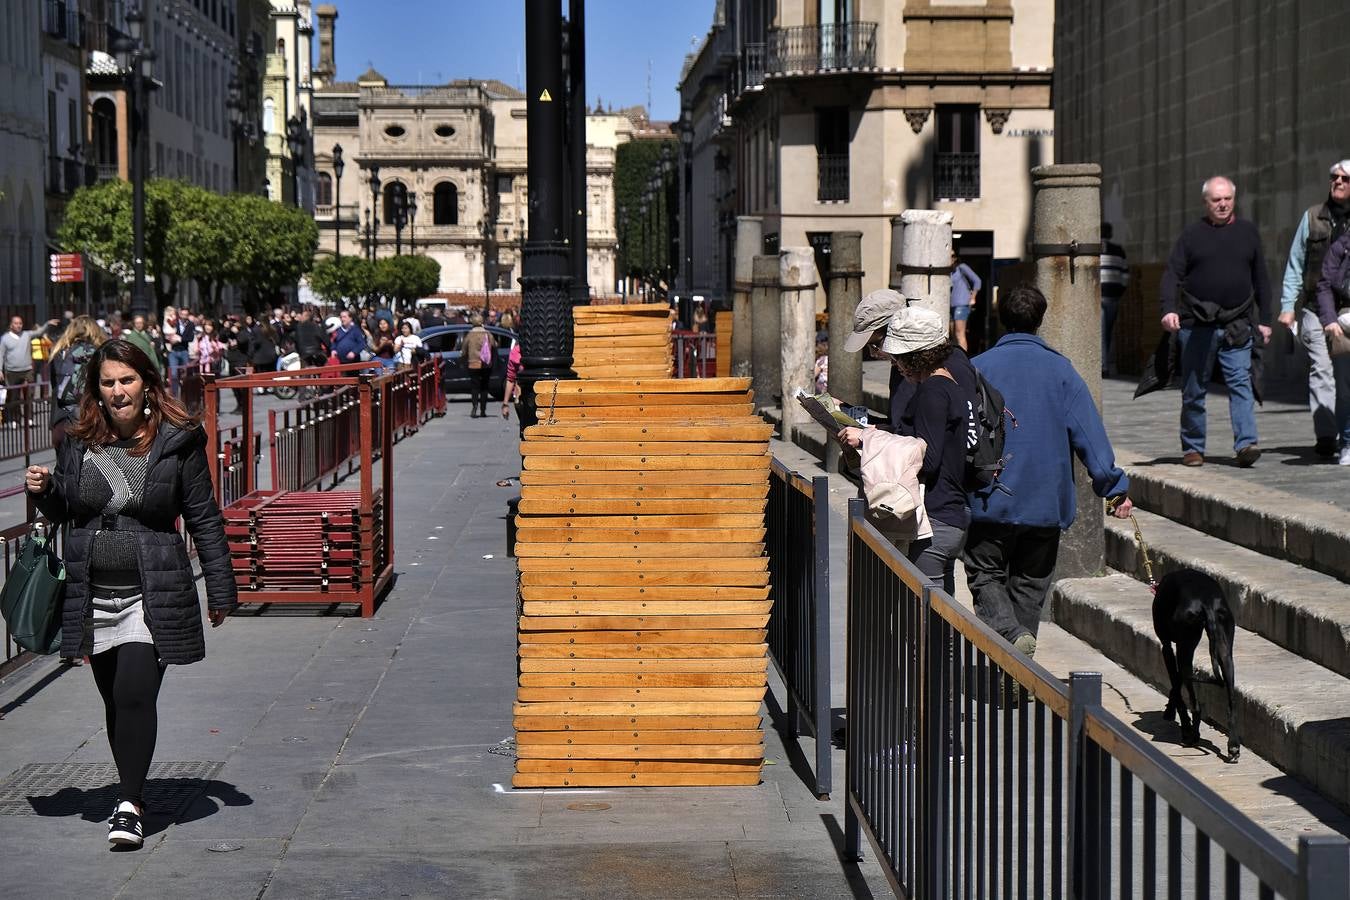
{"x":348,"y":339}
{"x":1013,"y":540}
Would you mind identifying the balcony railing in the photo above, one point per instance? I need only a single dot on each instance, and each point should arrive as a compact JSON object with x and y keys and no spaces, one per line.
{"x":957,"y":176}
{"x":832,"y":177}
{"x":108,"y":171}
{"x":807,"y":49}
{"x":752,"y":66}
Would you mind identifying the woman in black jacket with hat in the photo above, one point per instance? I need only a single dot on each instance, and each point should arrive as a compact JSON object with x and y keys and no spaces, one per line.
{"x":133,"y":463}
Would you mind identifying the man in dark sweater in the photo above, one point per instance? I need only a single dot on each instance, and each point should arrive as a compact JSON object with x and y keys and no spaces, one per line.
{"x":1216,"y":296}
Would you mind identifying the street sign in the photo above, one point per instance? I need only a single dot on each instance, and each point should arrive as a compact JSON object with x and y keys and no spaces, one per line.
{"x":66,"y":267}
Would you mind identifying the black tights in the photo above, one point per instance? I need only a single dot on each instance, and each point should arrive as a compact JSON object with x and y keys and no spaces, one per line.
{"x":478,"y":389}
{"x":128,"y":677}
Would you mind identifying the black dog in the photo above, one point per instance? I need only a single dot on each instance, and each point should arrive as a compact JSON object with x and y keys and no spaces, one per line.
{"x":1187,"y":604}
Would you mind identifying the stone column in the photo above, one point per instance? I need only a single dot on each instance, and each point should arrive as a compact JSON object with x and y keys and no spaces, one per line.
{"x":1066,"y":208}
{"x":767,"y":333}
{"x":749,"y":242}
{"x":797,"y":273}
{"x":897,"y":271}
{"x":845,"y":290}
{"x":925,"y":240}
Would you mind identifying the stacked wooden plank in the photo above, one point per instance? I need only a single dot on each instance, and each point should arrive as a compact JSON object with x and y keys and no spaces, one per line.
{"x":630,"y":340}
{"x":644,"y":586}
{"x":722,"y":327}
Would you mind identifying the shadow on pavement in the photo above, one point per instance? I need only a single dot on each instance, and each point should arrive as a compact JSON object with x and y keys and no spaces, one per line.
{"x":33,"y":689}
{"x":801,"y":766}
{"x":856,"y":883}
{"x":168,"y":801}
{"x":1162,"y":731}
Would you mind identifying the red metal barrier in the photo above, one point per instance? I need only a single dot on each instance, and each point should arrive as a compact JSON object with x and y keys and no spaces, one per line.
{"x":695,"y":354}
{"x":292,"y":546}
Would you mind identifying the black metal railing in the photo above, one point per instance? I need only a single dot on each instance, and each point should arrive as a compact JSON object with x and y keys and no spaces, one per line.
{"x":107,"y":171}
{"x":975,"y":772}
{"x":798,"y":541}
{"x":822,"y":48}
{"x":54,"y":20}
{"x":831,"y":176}
{"x":752,"y":66}
{"x":957,"y":176}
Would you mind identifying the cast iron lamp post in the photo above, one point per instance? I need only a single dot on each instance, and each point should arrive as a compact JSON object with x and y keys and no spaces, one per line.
{"x":137,"y":62}
{"x":338,"y":166}
{"x":295,"y":142}
{"x":412,"y":223}
{"x":374,"y":182}
{"x":400,"y":199}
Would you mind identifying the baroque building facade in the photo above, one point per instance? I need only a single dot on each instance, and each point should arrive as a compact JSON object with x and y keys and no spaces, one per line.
{"x":459,"y":151}
{"x":834,"y":115}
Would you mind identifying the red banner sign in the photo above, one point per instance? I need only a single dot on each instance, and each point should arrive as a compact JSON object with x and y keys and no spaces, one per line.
{"x":66,"y":267}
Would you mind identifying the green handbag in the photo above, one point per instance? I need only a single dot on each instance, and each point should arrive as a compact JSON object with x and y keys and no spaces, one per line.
{"x":33,"y":595}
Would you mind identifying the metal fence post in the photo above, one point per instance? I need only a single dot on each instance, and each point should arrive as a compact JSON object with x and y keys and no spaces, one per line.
{"x":933,"y":773}
{"x":1085,"y":690}
{"x":820,"y":636}
{"x":852,"y":831}
{"x":1323,"y":867}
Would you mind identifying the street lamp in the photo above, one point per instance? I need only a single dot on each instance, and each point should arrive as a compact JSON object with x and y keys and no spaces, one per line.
{"x":400,"y":198}
{"x":295,"y":142}
{"x":365,"y":234}
{"x":374,"y":182}
{"x":338,"y":166}
{"x":137,"y":63}
{"x":412,"y":223}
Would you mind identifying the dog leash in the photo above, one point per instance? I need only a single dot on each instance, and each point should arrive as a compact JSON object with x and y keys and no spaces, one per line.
{"x":1139,"y":539}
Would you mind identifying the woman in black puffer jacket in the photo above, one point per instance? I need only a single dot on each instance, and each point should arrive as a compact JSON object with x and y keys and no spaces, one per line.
{"x":133,"y":463}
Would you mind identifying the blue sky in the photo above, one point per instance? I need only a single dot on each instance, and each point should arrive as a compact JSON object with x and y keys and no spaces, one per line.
{"x":431,"y":41}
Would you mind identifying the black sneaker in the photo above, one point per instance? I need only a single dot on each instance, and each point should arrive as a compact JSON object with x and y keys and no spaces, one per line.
{"x":124,"y":828}
{"x":1325,"y":447}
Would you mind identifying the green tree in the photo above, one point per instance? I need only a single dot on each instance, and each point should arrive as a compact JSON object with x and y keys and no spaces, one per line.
{"x":644,"y":235}
{"x":98,"y":224}
{"x":334,"y":281}
{"x":273,"y":246}
{"x":198,"y":245}
{"x":403,"y":279}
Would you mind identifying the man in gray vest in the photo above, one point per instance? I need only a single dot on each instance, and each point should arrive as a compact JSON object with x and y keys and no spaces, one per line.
{"x":1321,"y":225}
{"x":16,"y":355}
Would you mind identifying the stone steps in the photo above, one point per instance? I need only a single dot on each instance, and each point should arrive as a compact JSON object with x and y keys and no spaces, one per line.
{"x":1292,"y":711}
{"x":1266,"y":520}
{"x":1305,"y":612}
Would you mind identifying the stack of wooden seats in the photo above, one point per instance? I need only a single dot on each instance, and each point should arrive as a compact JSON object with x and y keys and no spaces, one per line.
{"x":644,"y":585}
{"x":631,"y":340}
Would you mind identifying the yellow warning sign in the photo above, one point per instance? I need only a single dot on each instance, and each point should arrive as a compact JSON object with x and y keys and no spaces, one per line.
{"x":545,"y":97}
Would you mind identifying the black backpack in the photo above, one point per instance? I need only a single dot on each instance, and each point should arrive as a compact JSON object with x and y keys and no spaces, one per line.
{"x":985,"y":436}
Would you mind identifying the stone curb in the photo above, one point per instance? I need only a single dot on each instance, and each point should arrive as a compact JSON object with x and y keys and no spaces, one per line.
{"x":1269,"y":521}
{"x":1305,"y":612}
{"x":1292,"y":711}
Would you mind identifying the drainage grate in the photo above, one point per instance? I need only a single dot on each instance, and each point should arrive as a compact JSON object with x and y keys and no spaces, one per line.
{"x":90,"y":789}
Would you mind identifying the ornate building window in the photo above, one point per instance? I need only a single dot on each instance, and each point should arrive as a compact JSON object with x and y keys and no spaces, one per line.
{"x":324,"y":195}
{"x":269,"y":116}
{"x":445,"y":204}
{"x":387,"y":204}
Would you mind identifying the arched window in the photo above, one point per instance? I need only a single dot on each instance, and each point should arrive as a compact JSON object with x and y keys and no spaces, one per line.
{"x":391,"y":190}
{"x":324,"y":196}
{"x":445,"y":205}
{"x":269,"y":115}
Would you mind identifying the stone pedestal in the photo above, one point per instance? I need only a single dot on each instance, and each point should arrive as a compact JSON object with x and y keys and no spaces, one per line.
{"x":925,"y":242}
{"x":749,"y":242}
{"x":797,"y":281}
{"x":845,"y":290}
{"x":1066,"y":208}
{"x":766,"y":331}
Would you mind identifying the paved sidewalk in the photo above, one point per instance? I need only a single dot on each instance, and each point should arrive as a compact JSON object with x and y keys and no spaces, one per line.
{"x":353,"y":756}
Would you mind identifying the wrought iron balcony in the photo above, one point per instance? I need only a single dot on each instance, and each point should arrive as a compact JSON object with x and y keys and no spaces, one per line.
{"x":832,"y":177}
{"x":108,"y":171}
{"x":752,"y":66}
{"x":956,"y":176}
{"x":808,"y":49}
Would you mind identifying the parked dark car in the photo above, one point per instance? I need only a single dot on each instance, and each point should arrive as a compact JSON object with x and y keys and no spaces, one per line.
{"x":445,"y":341}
